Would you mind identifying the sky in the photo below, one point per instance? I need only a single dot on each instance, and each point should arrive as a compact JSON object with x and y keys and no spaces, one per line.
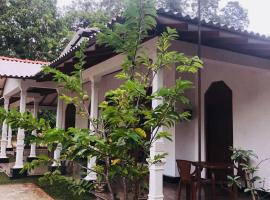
{"x":258,"y":11}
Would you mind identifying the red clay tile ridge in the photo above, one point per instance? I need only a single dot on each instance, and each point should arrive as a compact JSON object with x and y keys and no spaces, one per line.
{"x":19,"y":68}
{"x":23,"y":60}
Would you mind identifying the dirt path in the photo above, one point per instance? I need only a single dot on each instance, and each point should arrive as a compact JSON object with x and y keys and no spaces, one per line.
{"x":26,"y":191}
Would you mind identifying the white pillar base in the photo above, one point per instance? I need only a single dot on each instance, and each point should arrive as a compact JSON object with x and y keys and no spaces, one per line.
{"x":33,"y":147}
{"x":156,"y":181}
{"x":3,"y":153}
{"x":9,"y":143}
{"x":155,"y":197}
{"x":56,"y":156}
{"x":91,"y":176}
{"x":19,"y":149}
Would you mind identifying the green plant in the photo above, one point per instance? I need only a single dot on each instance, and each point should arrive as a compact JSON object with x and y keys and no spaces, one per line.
{"x":127,"y":127}
{"x":48,"y":115}
{"x":247,"y":177}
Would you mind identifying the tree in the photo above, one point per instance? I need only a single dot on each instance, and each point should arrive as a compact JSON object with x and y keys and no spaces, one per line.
{"x":179,"y":6}
{"x":121,"y":137}
{"x":3,"y":3}
{"x":235,"y":12}
{"x":32,"y":29}
{"x":85,"y":13}
{"x":209,"y":10}
{"x":232,"y":14}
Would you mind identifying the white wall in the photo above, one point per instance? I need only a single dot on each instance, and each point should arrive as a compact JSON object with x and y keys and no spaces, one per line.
{"x":12,"y":86}
{"x":249,"y":81}
{"x":107,"y":83}
{"x":185,"y":136}
{"x":251,"y":108}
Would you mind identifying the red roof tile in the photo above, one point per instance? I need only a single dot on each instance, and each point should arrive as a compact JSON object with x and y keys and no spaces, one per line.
{"x":23,"y":60}
{"x":19,"y":68}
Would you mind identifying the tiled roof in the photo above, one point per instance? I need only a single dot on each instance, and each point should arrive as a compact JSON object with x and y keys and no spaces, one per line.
{"x":91,"y":34}
{"x":19,"y":68}
{"x":174,"y":15}
{"x":224,"y":27}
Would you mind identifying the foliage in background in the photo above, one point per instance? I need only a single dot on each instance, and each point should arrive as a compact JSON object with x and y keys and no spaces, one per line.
{"x":232,"y":14}
{"x":247,"y":177}
{"x":36,"y":29}
{"x":85,"y":13}
{"x":121,"y":137}
{"x":32,"y":29}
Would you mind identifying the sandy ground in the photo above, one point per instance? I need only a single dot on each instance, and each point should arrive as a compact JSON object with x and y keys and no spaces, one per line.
{"x":26,"y":191}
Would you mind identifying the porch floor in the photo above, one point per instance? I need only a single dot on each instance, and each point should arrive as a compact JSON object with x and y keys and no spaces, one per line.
{"x":170,"y":193}
{"x":5,"y":167}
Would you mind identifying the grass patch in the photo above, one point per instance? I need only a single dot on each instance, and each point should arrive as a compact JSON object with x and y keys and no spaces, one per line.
{"x":4,"y":179}
{"x":58,"y":192}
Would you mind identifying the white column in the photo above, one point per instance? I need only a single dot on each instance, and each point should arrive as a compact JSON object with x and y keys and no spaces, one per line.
{"x":3,"y":153}
{"x":20,"y":135}
{"x":93,"y":115}
{"x":156,"y":170}
{"x":34,"y":132}
{"x":59,"y":119}
{"x":9,"y":144}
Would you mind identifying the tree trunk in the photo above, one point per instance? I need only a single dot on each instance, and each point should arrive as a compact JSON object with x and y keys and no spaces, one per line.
{"x":136,"y":190}
{"x":125,"y":188}
{"x":108,"y":179}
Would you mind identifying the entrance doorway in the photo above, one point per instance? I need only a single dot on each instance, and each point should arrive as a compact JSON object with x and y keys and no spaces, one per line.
{"x":218,"y":124}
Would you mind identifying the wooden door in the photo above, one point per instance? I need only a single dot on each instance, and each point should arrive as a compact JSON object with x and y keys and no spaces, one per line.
{"x":218,"y":124}
{"x":70,"y":116}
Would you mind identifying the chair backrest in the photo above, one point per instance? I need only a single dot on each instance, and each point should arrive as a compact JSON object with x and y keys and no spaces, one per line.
{"x":184,"y":169}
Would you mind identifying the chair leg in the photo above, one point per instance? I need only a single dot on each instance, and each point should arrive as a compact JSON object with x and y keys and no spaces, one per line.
{"x":179,"y":191}
{"x":194,"y":188}
{"x":213,"y":186}
{"x":213,"y":191}
{"x":188,"y":191}
{"x":199,"y":191}
{"x":233,"y":192}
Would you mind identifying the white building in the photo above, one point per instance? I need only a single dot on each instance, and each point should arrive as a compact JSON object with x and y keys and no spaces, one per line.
{"x":234,"y":93}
